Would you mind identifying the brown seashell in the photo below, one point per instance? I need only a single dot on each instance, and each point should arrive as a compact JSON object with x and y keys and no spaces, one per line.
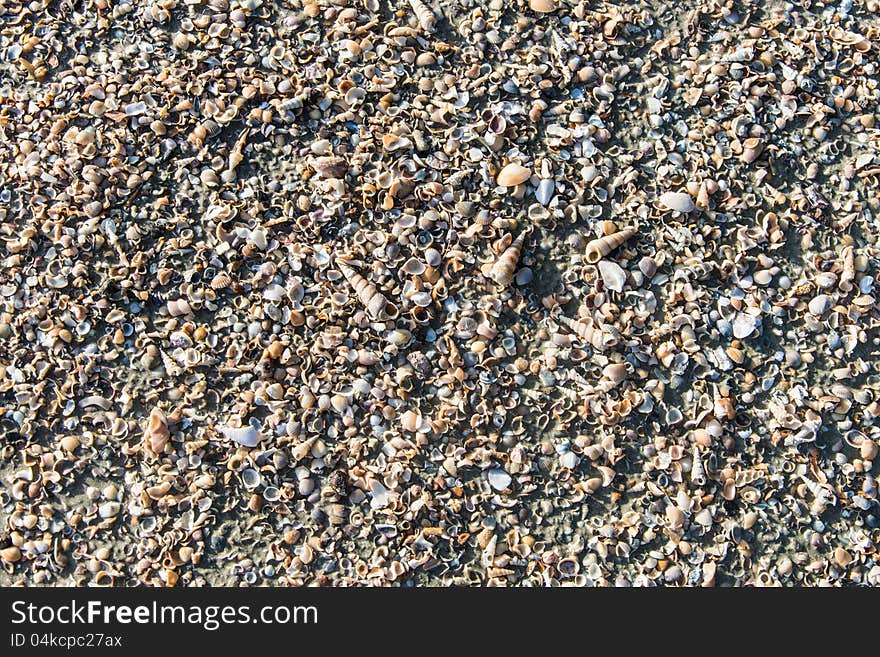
{"x":221,"y":281}
{"x":601,"y":338}
{"x":10,"y":554}
{"x":156,"y":435}
{"x":543,"y":6}
{"x":752,"y":148}
{"x":512,"y":175}
{"x":502,"y":271}
{"x":602,"y":246}
{"x":373,"y":300}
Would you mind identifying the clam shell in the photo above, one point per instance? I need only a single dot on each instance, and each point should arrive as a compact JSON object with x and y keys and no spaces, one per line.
{"x":543,"y":6}
{"x":612,"y":275}
{"x":745,"y":325}
{"x":513,"y":174}
{"x":678,"y":201}
{"x":499,"y":479}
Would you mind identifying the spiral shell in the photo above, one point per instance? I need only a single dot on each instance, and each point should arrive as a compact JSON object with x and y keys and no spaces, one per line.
{"x":698,"y":472}
{"x":502,"y":271}
{"x":601,"y":338}
{"x":602,"y":246}
{"x":373,"y":300}
{"x":426,"y":17}
{"x":156,"y":435}
{"x":848,"y":270}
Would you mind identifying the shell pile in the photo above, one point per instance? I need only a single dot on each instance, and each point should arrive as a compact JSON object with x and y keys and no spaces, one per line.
{"x":434,"y":292}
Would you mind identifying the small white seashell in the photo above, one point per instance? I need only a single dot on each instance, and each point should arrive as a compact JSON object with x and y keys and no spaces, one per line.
{"x":678,"y":201}
{"x":246,"y":436}
{"x":499,"y":479}
{"x":545,"y":189}
{"x":379,"y":494}
{"x":820,"y":304}
{"x":251,"y":478}
{"x":744,"y":325}
{"x":258,"y":238}
{"x":613,"y":275}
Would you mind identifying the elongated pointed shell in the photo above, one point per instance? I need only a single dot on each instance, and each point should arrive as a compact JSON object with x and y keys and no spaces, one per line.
{"x":600,"y":338}
{"x":503,"y":269}
{"x":427,"y":19}
{"x":373,"y":300}
{"x":602,"y":246}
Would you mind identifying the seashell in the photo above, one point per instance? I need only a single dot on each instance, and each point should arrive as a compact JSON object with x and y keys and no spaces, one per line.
{"x":503,"y":269}
{"x":728,"y":490}
{"x":427,"y":19}
{"x":245,"y":436}
{"x":544,"y":191}
{"x":569,"y":460}
{"x":373,"y":300}
{"x":411,"y":421}
{"x":379,"y":495}
{"x":543,"y":6}
{"x":10,"y":554}
{"x":499,"y":479}
{"x":413,"y":267}
{"x":393,"y":143}
{"x":677,"y":201}
{"x":698,"y":472}
{"x":568,"y":567}
{"x":819,"y":305}
{"x":512,"y":174}
{"x":600,"y":338}
{"x":354,"y":96}
{"x":744,"y":325}
{"x":178,"y":307}
{"x":602,"y":246}
{"x":612,"y":275}
{"x":648,"y":266}
{"x":156,"y":435}
{"x":674,"y":518}
{"x":250,"y":478}
{"x":752,"y":148}
{"x":616,"y":372}
{"x":331,"y":166}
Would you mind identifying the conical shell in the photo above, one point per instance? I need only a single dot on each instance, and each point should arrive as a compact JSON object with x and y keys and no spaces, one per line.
{"x":369,"y":295}
{"x":503,"y":269}
{"x":427,"y":19}
{"x":601,"y":338}
{"x":602,"y":246}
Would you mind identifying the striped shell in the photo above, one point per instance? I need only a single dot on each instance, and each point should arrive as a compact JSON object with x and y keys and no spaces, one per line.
{"x":602,"y":246}
{"x":502,"y":271}
{"x":373,"y":300}
{"x":426,"y":17}
{"x":600,"y":338}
